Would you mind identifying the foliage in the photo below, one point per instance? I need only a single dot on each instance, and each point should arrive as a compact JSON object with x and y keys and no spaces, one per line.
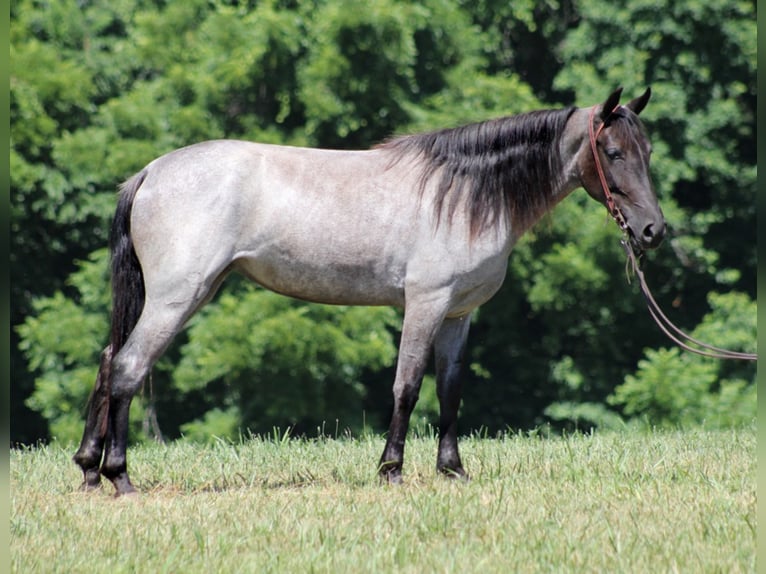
{"x":100,"y":88}
{"x":584,"y":416}
{"x":565,"y":295}
{"x":246,"y":347}
{"x":283,"y":362}
{"x":671,"y":389}
{"x":63,"y":341}
{"x":700,"y":59}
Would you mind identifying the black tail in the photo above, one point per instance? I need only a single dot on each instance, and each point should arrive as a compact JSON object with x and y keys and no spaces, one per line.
{"x":127,"y":278}
{"x":127,"y":303}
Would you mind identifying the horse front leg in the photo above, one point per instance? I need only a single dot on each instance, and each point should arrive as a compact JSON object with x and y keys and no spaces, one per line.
{"x":88,"y":456}
{"x":449,"y":348}
{"x":418,"y":332}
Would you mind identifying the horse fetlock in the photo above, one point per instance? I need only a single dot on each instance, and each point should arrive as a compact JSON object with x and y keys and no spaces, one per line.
{"x":88,"y":459}
{"x":112,"y":468}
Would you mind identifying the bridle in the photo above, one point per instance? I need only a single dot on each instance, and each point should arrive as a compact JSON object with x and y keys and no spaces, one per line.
{"x":675,"y":334}
{"x":611,"y":206}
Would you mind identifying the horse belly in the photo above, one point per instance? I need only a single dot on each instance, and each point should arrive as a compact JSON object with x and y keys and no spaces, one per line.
{"x":323,"y":281}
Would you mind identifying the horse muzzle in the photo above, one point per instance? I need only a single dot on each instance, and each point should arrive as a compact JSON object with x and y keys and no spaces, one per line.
{"x":649,"y":235}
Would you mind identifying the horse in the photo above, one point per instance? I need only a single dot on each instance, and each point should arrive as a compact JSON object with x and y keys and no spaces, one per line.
{"x":424,"y":222}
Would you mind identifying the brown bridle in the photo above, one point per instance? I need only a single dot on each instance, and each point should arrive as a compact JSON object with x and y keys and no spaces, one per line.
{"x":611,"y":206}
{"x":675,"y":334}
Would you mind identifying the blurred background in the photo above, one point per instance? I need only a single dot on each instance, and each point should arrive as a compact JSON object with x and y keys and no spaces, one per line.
{"x":100,"y":88}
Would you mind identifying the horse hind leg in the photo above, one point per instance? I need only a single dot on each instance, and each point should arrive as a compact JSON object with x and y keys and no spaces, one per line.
{"x":157,"y":326}
{"x":88,"y":456}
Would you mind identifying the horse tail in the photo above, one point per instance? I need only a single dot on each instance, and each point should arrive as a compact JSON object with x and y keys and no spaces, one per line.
{"x":128,"y":296}
{"x":127,"y":277}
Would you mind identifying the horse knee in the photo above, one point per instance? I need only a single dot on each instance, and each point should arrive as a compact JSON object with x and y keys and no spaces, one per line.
{"x":405,"y":400}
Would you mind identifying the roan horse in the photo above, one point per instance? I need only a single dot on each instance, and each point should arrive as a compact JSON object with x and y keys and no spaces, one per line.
{"x":425,"y":222}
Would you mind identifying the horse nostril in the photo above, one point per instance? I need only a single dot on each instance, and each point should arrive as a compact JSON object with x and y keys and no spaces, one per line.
{"x":653,"y":235}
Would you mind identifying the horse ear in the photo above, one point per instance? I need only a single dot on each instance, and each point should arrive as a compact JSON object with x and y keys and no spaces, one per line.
{"x":611,"y":102}
{"x":640,"y":102}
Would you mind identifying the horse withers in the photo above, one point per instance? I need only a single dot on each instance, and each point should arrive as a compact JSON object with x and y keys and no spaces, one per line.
{"x":425,"y":222}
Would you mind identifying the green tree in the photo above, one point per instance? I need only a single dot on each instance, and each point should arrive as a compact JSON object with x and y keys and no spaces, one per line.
{"x":700,"y":59}
{"x":674,"y":389}
{"x":285,"y":363}
{"x":98,"y":89}
{"x":579,"y":330}
{"x":253,"y":361}
{"x":62,"y":65}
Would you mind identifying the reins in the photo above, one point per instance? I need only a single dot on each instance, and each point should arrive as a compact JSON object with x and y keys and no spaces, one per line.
{"x":675,"y":334}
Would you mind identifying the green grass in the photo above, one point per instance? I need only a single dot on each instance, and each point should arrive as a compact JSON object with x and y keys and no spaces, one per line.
{"x":643,"y":502}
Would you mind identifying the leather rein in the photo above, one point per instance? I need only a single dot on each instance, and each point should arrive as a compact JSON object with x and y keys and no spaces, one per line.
{"x":675,"y":334}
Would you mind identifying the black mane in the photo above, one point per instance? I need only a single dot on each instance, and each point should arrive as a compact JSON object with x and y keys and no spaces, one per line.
{"x":507,"y":167}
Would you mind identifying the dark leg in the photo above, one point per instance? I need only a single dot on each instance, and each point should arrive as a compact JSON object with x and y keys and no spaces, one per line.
{"x":115,"y":462}
{"x":129,"y":370}
{"x":88,"y":456}
{"x":418,"y":331}
{"x":154,"y":331}
{"x":449,"y":348}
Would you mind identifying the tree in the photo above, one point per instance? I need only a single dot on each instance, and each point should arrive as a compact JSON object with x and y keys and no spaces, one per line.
{"x":700,"y":60}
{"x":302,"y":364}
{"x":101,"y":88}
{"x":580,"y":328}
{"x":188,"y":71}
{"x":674,"y":389}
{"x":62,"y":65}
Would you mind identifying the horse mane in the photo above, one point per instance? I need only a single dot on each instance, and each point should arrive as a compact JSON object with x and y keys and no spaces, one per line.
{"x":503,"y":169}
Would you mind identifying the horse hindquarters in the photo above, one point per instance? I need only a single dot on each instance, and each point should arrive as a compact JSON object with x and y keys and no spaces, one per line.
{"x":157,"y":286}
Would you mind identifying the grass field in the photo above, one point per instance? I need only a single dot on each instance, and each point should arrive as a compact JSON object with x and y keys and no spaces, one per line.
{"x":640,"y":502}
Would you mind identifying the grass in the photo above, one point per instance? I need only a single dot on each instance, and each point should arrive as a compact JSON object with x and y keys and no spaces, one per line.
{"x":680,"y":501}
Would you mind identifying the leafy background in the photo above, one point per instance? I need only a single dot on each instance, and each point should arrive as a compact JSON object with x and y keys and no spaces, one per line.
{"x":100,"y":88}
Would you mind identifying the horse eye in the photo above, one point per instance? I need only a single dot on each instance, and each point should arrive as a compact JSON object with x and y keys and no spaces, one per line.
{"x":613,"y":154}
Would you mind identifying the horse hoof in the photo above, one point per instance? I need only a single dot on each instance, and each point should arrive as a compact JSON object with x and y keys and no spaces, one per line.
{"x":89,"y":487}
{"x":392,"y":477}
{"x":123,"y":486}
{"x":455,"y":474}
{"x":91,"y":481}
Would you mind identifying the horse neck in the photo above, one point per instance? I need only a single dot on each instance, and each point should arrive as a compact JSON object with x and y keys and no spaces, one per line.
{"x":572,"y":146}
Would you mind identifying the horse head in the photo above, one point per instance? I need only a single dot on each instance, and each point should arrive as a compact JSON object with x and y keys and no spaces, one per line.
{"x":614,"y":169}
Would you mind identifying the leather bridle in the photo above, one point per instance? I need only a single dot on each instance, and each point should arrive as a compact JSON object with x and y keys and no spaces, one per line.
{"x":611,"y":206}
{"x":675,"y":334}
